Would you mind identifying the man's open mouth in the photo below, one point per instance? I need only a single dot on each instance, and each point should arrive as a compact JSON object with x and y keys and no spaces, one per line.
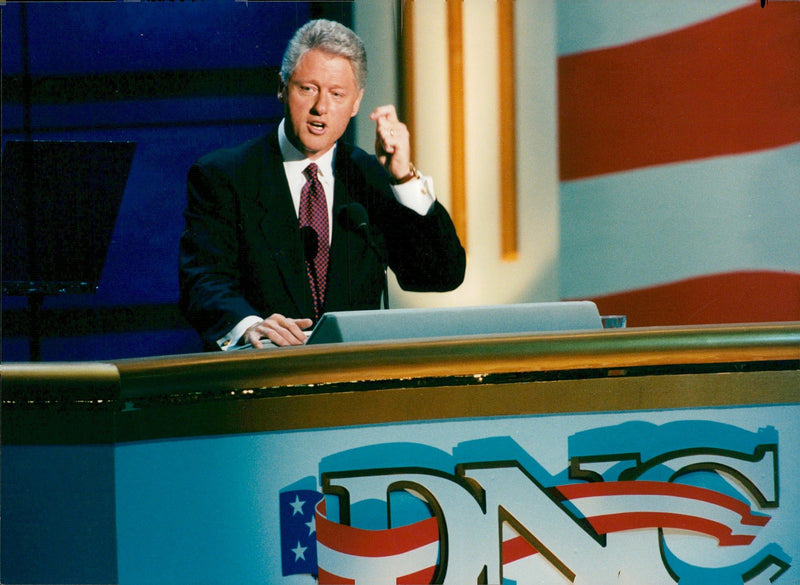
{"x":316,"y":127}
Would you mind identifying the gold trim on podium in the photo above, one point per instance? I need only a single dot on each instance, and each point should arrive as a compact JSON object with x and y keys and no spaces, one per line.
{"x":459,"y":356}
{"x":401,"y":381}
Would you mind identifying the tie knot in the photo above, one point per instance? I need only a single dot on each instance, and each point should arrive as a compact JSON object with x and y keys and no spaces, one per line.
{"x":311,"y":171}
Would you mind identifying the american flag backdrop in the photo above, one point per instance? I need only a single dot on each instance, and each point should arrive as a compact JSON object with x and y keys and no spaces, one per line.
{"x":679,"y":140}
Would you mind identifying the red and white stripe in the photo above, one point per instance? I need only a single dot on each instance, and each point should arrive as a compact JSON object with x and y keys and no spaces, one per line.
{"x":395,"y":556}
{"x":679,"y":142}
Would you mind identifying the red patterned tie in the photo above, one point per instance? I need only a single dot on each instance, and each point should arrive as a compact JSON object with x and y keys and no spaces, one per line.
{"x":314,"y":213}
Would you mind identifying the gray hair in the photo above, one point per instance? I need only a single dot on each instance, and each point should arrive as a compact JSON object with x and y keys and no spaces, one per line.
{"x":328,"y":36}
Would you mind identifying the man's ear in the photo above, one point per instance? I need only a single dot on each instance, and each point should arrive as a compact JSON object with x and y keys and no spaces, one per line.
{"x":281,"y":91}
{"x":357,"y":103}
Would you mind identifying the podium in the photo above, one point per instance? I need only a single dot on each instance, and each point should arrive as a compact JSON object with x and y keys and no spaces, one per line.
{"x":531,"y":457}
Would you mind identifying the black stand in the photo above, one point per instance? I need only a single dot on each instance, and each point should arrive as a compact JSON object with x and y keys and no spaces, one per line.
{"x":35,"y":302}
{"x":60,"y":204}
{"x":35,"y":293}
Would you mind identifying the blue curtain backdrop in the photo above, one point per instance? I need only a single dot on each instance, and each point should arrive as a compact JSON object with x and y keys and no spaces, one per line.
{"x":178,"y":78}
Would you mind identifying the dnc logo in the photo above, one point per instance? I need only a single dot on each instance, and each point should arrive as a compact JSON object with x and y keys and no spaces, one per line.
{"x":691,"y":504}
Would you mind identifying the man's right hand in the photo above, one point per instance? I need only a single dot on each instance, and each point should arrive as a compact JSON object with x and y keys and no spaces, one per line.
{"x":277,"y":329}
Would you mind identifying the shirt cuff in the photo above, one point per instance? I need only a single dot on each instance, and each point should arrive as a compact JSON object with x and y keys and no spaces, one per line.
{"x":231,"y":340}
{"x":417,"y":194}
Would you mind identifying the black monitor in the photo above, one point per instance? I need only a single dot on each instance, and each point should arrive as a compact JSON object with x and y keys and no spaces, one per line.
{"x":380,"y":325}
{"x":59,"y":206}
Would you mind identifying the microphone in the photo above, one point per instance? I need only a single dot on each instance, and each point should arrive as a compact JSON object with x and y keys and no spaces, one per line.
{"x":355,"y":218}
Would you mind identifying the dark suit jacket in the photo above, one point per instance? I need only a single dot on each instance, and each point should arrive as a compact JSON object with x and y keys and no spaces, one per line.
{"x":242,"y":254}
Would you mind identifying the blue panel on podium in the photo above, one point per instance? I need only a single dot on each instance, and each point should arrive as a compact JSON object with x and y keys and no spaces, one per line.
{"x":379,"y":325}
{"x":59,"y":514}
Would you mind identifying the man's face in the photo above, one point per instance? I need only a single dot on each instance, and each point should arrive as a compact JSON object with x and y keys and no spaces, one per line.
{"x":320,"y":98}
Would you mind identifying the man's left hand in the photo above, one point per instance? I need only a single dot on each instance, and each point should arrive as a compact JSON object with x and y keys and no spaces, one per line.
{"x":392,"y":142}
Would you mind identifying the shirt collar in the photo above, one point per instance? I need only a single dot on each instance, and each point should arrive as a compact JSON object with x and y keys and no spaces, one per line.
{"x":296,"y":161}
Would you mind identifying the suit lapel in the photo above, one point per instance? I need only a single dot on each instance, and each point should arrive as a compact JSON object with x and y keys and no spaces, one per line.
{"x":279,"y":228}
{"x":342,"y":258}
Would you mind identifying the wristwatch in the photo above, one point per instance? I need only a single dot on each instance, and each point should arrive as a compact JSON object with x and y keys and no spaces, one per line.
{"x":413,"y":173}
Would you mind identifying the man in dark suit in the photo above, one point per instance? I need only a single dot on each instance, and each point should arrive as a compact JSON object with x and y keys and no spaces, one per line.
{"x":292,"y":224}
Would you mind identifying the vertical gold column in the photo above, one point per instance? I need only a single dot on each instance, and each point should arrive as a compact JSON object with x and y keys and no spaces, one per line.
{"x":406,"y":65}
{"x":458,"y":189}
{"x":507,"y":129}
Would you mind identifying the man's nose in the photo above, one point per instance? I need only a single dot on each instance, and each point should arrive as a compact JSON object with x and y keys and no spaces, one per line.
{"x":321,"y":103}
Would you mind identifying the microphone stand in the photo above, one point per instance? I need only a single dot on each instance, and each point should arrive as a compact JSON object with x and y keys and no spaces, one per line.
{"x":356,"y":218}
{"x":384,"y":268}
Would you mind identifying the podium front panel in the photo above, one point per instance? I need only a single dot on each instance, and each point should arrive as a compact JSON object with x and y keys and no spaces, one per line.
{"x":662,"y":455}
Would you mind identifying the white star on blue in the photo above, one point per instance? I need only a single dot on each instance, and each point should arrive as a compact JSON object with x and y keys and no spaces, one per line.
{"x":298,"y":506}
{"x":299,"y":552}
